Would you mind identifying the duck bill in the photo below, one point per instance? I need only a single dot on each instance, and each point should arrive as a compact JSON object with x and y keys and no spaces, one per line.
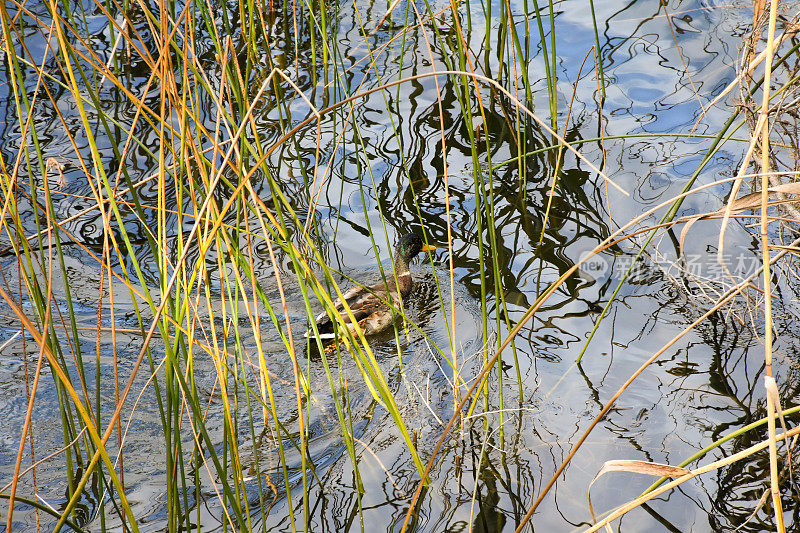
{"x":428,"y":248}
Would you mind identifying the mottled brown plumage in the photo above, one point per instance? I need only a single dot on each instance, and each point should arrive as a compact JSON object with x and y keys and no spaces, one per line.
{"x":368,"y":304}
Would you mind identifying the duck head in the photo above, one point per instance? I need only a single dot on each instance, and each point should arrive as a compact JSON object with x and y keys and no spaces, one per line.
{"x":408,"y":247}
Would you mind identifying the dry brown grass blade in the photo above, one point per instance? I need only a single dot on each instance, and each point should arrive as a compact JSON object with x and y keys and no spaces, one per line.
{"x":735,"y":191}
{"x":609,"y":241}
{"x":771,"y":387}
{"x":635,"y":467}
{"x":790,"y":31}
{"x":743,"y":203}
{"x":88,"y":421}
{"x":448,"y":217}
{"x":724,"y":298}
{"x":693,"y":473}
{"x":383,"y":19}
{"x":753,"y":200}
{"x":32,"y":391}
{"x":557,"y":169}
{"x":767,"y":283}
{"x":639,"y":467}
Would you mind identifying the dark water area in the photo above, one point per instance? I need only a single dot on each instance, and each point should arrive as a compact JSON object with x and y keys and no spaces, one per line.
{"x":378,"y":167}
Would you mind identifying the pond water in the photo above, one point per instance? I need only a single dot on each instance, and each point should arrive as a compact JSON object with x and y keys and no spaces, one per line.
{"x":381,"y":164}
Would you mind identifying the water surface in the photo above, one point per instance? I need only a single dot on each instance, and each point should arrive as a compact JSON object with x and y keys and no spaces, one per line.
{"x":388,"y":171}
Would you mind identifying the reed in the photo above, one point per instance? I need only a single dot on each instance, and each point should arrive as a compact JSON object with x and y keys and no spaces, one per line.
{"x":216,"y":162}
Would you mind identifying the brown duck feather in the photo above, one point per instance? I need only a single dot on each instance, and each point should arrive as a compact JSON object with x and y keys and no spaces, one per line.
{"x":371,"y":306}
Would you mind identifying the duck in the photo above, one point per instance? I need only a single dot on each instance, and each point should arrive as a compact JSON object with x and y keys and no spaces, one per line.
{"x":370,"y":305}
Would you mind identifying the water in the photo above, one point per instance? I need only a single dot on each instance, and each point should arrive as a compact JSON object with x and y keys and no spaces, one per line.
{"x":389,"y":167}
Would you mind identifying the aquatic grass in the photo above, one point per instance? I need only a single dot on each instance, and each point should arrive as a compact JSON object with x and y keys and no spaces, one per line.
{"x":133,"y":525}
{"x":558,"y":164}
{"x":615,"y":238}
{"x":166,"y":287}
{"x":739,"y":456}
{"x":34,"y":289}
{"x":220,"y":251}
{"x":175,"y":385}
{"x":760,"y":134}
{"x":719,"y":140}
{"x":767,"y":280}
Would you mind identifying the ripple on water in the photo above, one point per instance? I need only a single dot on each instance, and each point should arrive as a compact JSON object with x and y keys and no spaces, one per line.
{"x":419,"y":389}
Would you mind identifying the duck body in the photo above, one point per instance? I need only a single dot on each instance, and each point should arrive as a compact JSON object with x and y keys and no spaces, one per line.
{"x":372,"y":306}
